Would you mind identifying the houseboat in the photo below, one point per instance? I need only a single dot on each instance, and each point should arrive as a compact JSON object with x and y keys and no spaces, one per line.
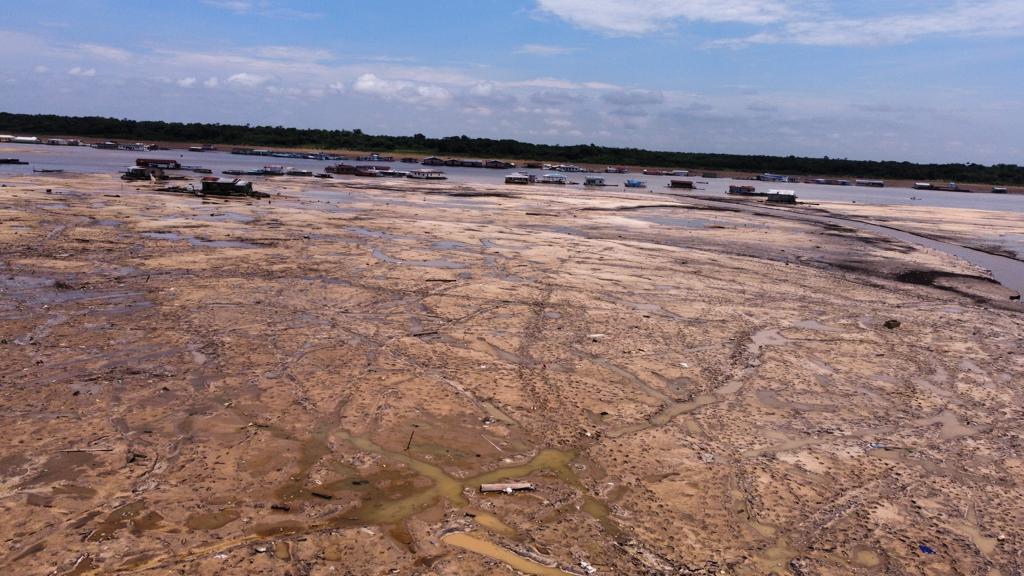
{"x":595,"y":181}
{"x":635,"y":184}
{"x":782,"y":196}
{"x":553,"y":179}
{"x":870,"y":183}
{"x":389,"y":173}
{"x":683,"y":184}
{"x":744,"y":191}
{"x":999,"y":190}
{"x":432,"y":161}
{"x":340,"y":169}
{"x":410,"y":160}
{"x":518,"y":178}
{"x":304,"y":173}
{"x":679,"y":173}
{"x":567,"y":168}
{"x":158,"y":163}
{"x":498,"y":165}
{"x":196,"y":149}
{"x":768,"y":177}
{"x":273,"y":171}
{"x":923,"y":186}
{"x":616,"y":170}
{"x":427,"y":174}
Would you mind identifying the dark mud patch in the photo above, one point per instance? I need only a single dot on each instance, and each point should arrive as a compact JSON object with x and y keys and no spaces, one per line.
{"x":929,"y":278}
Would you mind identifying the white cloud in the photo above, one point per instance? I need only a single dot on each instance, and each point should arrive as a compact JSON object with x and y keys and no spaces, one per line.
{"x":544,"y":50}
{"x":186,"y":82}
{"x":815,"y":23}
{"x":247,"y":80}
{"x":964,"y":18}
{"x":630,"y":17}
{"x":211,"y":82}
{"x":401,"y":90}
{"x":336,"y":88}
{"x":40,"y":69}
{"x":105,"y":52}
{"x":633,"y":97}
{"x":82,"y":72}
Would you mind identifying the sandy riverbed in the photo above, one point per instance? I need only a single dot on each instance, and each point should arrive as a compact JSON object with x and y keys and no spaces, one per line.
{"x":319,"y":382}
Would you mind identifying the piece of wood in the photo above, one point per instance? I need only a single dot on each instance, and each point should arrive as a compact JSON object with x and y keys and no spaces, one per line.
{"x":508,"y":488}
{"x":88,"y":450}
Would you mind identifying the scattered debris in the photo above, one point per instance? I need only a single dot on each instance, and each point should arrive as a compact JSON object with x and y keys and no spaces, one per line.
{"x":893,"y":324}
{"x":280,"y":507}
{"x":323,"y":495}
{"x":587,"y":567}
{"x":926,"y":549}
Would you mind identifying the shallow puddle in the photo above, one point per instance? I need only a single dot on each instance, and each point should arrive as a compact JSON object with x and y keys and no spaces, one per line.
{"x":492,"y":550}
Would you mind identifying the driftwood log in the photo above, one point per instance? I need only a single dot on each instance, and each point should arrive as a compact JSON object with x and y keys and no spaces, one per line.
{"x":506,"y":488}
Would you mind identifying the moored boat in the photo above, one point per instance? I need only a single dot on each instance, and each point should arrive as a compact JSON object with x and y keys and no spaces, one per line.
{"x":631,"y":183}
{"x":745,"y":191}
{"x":427,"y":174}
{"x":518,"y":178}
{"x":557,"y":179}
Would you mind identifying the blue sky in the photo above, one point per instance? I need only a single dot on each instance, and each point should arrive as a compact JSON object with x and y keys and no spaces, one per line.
{"x":937,"y":80}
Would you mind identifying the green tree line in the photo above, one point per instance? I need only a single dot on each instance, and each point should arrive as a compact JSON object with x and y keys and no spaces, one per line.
{"x":280,"y":136}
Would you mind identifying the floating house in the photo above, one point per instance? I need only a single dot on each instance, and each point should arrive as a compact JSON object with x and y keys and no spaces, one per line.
{"x":594,"y":181}
{"x":999,"y":190}
{"x":553,"y":179}
{"x":432,"y":161}
{"x":163,"y":164}
{"x":6,"y":137}
{"x":870,"y":183}
{"x":227,"y":187}
{"x":635,"y":184}
{"x":518,"y":178}
{"x":143,"y":173}
{"x":24,"y":140}
{"x":744,"y":191}
{"x":767,"y":177}
{"x":498,"y":165}
{"x":683,"y":184}
{"x":427,"y":174}
{"x":782,"y":196}
{"x":616,"y":170}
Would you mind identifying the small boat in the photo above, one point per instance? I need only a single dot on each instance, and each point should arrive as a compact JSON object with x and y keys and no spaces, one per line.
{"x":11,"y":161}
{"x":202,"y":171}
{"x":304,"y":173}
{"x":49,"y":171}
{"x":323,"y":175}
{"x":999,"y":190}
{"x":518,"y":178}
{"x":392,"y":173}
{"x":273,"y":171}
{"x":233,"y":172}
{"x":616,"y":170}
{"x":553,"y":179}
{"x":631,"y":183}
{"x":427,"y":175}
{"x":196,"y":149}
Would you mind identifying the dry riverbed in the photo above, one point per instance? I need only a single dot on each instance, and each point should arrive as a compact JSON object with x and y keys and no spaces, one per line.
{"x":318,"y":383}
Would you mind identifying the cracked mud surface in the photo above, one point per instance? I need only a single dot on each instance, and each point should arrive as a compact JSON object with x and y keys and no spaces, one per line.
{"x":318,"y":384}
